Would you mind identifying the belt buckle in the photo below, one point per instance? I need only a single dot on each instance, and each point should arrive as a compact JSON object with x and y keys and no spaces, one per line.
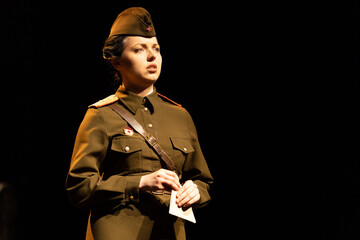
{"x":158,"y":192}
{"x":151,"y":140}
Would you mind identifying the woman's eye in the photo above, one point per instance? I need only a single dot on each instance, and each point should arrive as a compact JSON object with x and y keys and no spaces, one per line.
{"x":157,"y":49}
{"x":138,"y":50}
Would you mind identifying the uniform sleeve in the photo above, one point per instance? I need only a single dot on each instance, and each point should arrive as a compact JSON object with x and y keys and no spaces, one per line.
{"x":84,"y":184}
{"x":195,"y":167}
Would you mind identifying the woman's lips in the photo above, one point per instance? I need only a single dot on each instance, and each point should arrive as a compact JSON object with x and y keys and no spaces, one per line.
{"x":152,"y":68}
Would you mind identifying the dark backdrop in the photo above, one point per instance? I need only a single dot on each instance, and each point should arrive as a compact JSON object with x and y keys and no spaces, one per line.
{"x":273,"y":90}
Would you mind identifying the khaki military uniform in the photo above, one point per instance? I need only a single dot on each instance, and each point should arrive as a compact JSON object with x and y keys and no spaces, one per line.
{"x":109,"y":159}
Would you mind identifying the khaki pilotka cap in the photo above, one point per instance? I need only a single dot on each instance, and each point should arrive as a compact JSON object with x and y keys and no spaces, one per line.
{"x":135,"y":21}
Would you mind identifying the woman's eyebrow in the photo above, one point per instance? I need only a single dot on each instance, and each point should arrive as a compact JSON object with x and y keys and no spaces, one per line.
{"x":145,"y":44}
{"x":141,"y":44}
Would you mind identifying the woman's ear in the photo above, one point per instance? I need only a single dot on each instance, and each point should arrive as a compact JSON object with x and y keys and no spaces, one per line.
{"x":116,"y":64}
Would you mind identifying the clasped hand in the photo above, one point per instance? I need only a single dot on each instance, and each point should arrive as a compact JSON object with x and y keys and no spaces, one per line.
{"x":163,"y":179}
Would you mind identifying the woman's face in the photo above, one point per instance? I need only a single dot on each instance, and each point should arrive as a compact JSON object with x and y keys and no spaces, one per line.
{"x":140,"y":62}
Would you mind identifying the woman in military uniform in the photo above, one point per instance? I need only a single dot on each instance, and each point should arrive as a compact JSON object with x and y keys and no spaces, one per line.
{"x":114,"y":172}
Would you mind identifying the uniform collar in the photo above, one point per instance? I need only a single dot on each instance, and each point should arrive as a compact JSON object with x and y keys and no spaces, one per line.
{"x":133,"y":101}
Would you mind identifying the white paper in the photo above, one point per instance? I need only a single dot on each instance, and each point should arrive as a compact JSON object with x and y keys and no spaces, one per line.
{"x":178,"y":211}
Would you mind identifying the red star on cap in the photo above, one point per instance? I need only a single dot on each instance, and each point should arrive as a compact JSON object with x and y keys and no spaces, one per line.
{"x":149,"y":29}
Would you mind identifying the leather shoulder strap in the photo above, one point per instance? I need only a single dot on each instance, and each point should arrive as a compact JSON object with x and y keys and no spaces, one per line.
{"x":148,"y":137}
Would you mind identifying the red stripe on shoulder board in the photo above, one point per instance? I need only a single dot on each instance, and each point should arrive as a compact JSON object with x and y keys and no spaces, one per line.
{"x":169,"y":100}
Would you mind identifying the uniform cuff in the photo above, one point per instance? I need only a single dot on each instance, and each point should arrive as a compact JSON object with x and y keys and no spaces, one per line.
{"x":132,"y":188}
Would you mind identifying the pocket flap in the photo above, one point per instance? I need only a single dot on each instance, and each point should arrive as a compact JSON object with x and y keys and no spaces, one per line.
{"x":126,"y":144}
{"x":182,"y":144}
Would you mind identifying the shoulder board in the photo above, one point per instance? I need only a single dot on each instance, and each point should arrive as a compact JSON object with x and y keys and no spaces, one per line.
{"x":169,"y":100}
{"x":106,"y":101}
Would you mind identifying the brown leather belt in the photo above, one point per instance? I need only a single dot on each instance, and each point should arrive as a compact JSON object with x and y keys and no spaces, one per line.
{"x":151,"y":140}
{"x":160,"y":192}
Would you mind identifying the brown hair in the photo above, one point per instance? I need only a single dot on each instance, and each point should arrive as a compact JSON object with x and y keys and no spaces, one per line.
{"x":113,"y":49}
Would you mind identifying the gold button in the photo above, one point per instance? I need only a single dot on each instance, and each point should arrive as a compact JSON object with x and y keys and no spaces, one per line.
{"x":131,"y":197}
{"x":127,"y":148}
{"x":146,"y":109}
{"x":149,"y":125}
{"x":185,"y":149}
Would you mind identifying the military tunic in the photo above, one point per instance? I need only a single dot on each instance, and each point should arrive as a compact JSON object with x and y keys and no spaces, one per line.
{"x":109,"y":159}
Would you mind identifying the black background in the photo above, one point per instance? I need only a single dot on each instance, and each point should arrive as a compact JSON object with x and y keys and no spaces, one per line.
{"x":272,"y":87}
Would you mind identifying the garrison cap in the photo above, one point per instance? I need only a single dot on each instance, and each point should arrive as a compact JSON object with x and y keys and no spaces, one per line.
{"x":135,"y":21}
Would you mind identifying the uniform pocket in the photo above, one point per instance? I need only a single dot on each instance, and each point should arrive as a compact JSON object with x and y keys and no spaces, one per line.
{"x":125,"y":155}
{"x":182,"y":145}
{"x":126,"y":144}
{"x":181,"y":148}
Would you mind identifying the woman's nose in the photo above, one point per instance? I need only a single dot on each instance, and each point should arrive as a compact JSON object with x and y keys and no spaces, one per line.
{"x":151,"y":56}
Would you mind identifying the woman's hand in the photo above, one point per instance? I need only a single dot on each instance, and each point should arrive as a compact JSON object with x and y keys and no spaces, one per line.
{"x":188,"y":194}
{"x":160,"y":180}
